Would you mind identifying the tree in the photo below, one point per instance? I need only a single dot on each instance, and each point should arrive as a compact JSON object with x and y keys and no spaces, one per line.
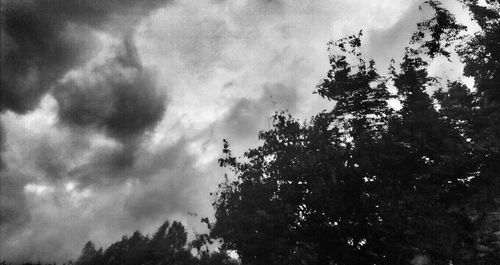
{"x":116,"y":253}
{"x":303,"y":195}
{"x":89,"y":255}
{"x":422,"y":183}
{"x":364,"y":184}
{"x":137,"y":249}
{"x":482,"y":62}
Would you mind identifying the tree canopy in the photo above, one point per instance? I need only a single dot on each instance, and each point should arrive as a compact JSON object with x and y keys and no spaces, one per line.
{"x":364,"y":183}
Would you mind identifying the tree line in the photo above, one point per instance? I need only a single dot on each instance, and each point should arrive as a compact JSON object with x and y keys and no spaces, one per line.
{"x":168,"y":245}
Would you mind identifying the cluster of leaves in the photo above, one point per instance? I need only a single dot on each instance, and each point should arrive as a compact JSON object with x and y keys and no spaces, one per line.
{"x":167,"y":246}
{"x":366,"y":184}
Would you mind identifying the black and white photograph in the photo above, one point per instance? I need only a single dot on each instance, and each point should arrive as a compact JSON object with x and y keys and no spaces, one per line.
{"x":249,"y":132}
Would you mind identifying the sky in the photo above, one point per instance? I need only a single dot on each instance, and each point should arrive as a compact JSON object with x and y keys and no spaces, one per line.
{"x":113,"y":112}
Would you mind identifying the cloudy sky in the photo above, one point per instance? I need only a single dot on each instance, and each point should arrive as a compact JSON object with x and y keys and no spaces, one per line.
{"x":113,"y":112}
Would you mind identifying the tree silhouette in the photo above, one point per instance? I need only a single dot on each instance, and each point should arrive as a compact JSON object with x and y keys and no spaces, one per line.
{"x":168,"y":246}
{"x":366,"y":184}
{"x":89,"y":255}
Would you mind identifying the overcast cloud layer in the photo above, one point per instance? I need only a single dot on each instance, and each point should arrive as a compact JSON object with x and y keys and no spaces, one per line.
{"x":113,"y":112}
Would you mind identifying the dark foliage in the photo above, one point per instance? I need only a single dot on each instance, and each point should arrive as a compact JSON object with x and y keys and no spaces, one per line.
{"x":168,"y":246}
{"x":366,"y":184}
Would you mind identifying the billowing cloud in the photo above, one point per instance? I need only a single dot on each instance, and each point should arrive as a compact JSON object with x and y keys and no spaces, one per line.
{"x":119,"y":96}
{"x":36,"y":50}
{"x":41,"y":40}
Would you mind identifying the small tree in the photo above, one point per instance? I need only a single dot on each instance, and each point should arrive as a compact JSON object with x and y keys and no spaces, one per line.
{"x":89,"y":255}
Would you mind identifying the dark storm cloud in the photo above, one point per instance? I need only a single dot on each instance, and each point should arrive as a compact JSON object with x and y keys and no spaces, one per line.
{"x":43,"y":40}
{"x":34,"y":53}
{"x":39,"y":43}
{"x":121,"y":97}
